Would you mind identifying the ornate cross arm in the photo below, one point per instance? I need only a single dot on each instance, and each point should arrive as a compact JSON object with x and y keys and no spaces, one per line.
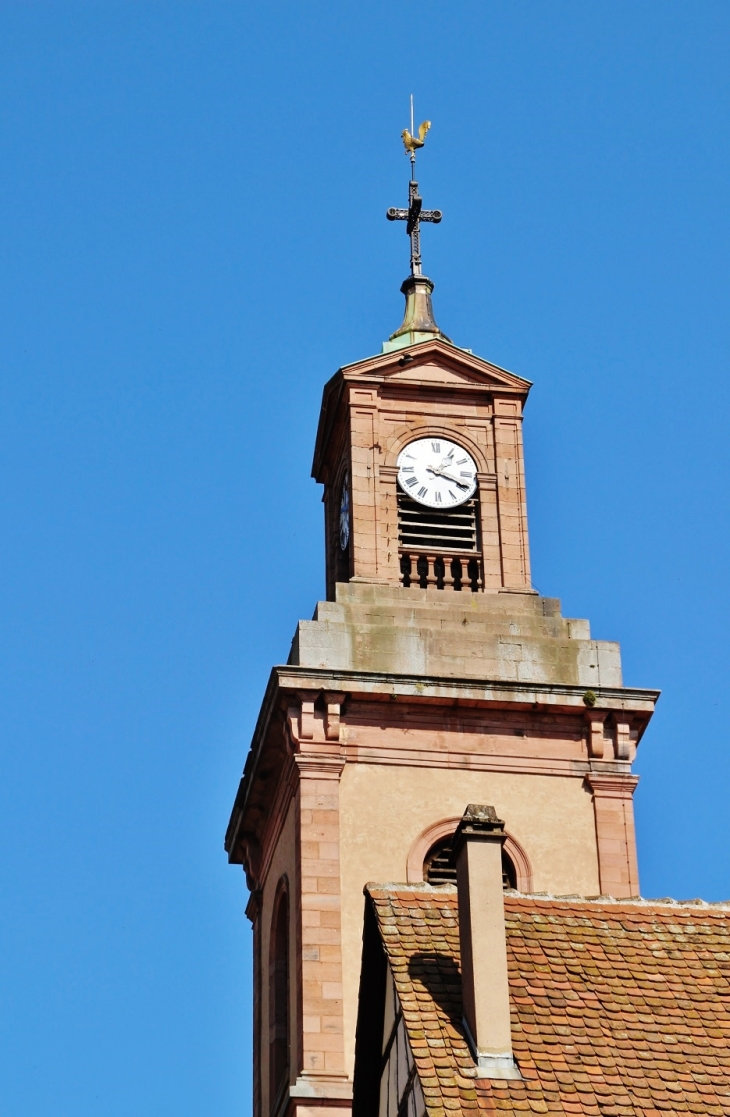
{"x":394,"y":214}
{"x":414,"y":215}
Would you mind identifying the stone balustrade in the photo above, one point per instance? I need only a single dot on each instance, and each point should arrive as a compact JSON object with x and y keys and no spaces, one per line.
{"x":450,"y":571}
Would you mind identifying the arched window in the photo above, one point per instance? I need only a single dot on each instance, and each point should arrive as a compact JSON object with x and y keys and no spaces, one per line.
{"x":279,"y":997}
{"x":439,"y":866}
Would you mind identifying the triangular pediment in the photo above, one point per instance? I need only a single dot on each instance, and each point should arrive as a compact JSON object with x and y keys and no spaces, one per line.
{"x":436,"y":362}
{"x":440,"y":373}
{"x":430,"y":365}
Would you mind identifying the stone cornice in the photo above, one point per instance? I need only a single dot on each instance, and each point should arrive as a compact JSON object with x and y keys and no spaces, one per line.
{"x":378,"y":686}
{"x":472,"y":691}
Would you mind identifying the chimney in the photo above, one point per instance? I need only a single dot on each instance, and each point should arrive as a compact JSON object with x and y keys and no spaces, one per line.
{"x":478,"y":848}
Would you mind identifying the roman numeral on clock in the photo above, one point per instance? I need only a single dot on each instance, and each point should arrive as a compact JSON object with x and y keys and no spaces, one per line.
{"x":422,"y":491}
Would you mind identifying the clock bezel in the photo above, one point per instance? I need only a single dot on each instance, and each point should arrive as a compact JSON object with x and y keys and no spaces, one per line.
{"x":437,"y":440}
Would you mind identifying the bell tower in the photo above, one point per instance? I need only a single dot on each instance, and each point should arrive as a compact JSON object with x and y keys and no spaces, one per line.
{"x":377,"y":530}
{"x":433,"y":676}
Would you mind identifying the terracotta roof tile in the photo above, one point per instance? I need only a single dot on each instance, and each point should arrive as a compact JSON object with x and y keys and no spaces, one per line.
{"x":618,"y":1008}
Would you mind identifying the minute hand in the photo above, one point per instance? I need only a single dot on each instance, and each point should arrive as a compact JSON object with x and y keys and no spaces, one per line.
{"x":448,"y":477}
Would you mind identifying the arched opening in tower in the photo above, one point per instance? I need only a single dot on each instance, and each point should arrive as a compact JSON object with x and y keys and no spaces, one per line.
{"x":279,"y":999}
{"x":439,"y":866}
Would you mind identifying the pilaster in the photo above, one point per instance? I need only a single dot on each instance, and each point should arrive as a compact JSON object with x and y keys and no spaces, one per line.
{"x":364,"y":484}
{"x":490,"y":533}
{"x":511,"y":494}
{"x":615,"y":832}
{"x":314,"y":727}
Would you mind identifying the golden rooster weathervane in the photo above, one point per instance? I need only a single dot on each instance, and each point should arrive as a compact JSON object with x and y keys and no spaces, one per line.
{"x":411,"y":142}
{"x":415,"y":214}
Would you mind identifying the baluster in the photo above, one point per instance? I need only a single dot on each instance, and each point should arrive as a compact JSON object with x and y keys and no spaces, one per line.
{"x":406,"y":569}
{"x":472,"y":573}
{"x":455,"y":569}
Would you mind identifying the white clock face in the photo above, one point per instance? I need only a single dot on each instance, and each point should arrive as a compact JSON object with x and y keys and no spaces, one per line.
{"x":437,"y":473}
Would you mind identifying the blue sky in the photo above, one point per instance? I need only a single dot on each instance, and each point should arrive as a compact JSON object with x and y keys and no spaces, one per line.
{"x":192,"y":240}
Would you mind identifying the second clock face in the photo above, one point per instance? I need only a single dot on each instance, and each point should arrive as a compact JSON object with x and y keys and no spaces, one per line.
{"x":345,"y":515}
{"x":437,"y":473}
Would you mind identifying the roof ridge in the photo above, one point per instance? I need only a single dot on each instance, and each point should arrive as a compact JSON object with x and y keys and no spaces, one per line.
{"x":634,"y":901}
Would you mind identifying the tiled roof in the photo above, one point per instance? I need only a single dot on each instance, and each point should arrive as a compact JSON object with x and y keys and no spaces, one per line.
{"x":617,"y":1007}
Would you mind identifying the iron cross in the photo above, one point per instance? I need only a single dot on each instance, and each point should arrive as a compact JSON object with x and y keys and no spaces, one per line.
{"x":414,"y":215}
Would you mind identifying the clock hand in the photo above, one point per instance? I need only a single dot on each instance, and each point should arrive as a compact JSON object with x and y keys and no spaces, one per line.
{"x":444,"y":462}
{"x":447,"y":476}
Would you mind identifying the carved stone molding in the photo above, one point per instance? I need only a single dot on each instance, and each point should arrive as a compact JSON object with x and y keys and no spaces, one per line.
{"x":606,"y":785}
{"x":319,"y":766}
{"x":306,"y":716}
{"x":334,"y":701}
{"x":329,"y":1089}
{"x":253,"y":907}
{"x":444,"y":828}
{"x":251,"y":858}
{"x":308,"y":721}
{"x":612,"y":727}
{"x":622,"y":741}
{"x":438,"y":429}
{"x":521,"y":862}
{"x":596,"y":739}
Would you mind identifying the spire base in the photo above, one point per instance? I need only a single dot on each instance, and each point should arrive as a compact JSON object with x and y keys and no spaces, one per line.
{"x":418,"y":321}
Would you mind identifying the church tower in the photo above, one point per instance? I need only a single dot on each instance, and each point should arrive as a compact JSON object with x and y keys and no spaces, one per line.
{"x":433,"y":676}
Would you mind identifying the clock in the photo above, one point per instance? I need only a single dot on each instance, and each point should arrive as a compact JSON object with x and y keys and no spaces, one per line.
{"x":437,"y":472}
{"x":345,"y":515}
